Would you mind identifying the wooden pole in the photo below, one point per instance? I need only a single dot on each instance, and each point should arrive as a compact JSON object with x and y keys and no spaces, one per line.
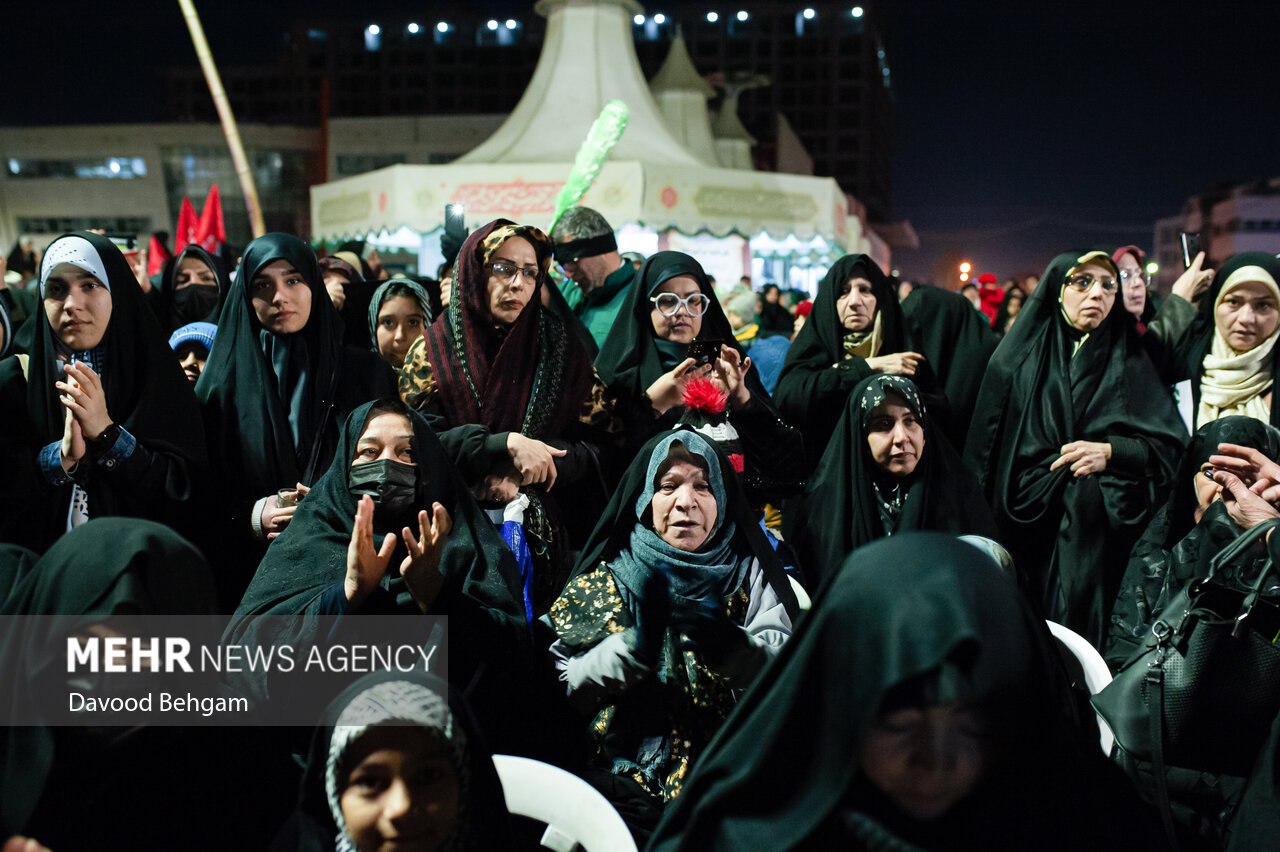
{"x":225,"y":115}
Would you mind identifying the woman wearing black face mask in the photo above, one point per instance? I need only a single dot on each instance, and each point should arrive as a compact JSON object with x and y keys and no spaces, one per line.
{"x":389,"y":516}
{"x":191,"y":289}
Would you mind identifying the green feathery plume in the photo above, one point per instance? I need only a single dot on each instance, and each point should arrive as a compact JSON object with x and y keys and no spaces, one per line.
{"x":605,"y":133}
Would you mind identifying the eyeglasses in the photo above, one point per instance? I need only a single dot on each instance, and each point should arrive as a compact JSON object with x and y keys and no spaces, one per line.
{"x":506,"y":272}
{"x":669,"y":303}
{"x":1083,"y":283}
{"x":1128,"y":275}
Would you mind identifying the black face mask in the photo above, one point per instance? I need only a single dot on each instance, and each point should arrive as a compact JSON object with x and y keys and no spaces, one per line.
{"x":194,"y":303}
{"x":393,"y":486}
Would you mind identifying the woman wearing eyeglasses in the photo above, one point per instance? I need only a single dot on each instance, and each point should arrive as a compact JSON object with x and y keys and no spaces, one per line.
{"x":510,"y":390}
{"x":855,"y":330}
{"x":1074,"y":439}
{"x":646,"y":364}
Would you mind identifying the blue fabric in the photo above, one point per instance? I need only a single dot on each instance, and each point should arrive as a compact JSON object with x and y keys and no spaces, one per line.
{"x":513,"y":535}
{"x":197,"y":332}
{"x":767,"y":356}
{"x":50,"y":459}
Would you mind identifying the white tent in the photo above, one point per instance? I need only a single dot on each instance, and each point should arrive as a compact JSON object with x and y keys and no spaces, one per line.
{"x":651,"y":180}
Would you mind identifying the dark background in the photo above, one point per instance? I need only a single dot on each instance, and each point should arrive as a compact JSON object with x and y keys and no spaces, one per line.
{"x":1022,"y":128}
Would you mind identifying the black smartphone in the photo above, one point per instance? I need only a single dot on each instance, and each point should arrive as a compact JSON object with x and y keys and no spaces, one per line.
{"x":704,"y":352}
{"x":455,"y":221}
{"x":1190,"y":247}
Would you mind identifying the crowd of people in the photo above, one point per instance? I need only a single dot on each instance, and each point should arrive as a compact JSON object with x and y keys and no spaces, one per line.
{"x":769,"y":573}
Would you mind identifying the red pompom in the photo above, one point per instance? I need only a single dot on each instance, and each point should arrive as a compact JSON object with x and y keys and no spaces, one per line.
{"x":704,"y":395}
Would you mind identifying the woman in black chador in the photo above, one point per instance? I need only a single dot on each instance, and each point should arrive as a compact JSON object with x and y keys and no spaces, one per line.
{"x":887,"y":470}
{"x":99,"y":419}
{"x":1074,"y":439}
{"x":920,"y":706}
{"x":275,"y":390}
{"x":646,"y":367}
{"x":856,"y":328}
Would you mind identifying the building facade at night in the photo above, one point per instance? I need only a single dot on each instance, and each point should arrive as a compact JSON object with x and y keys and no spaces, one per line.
{"x":1229,"y":219}
{"x":828,"y":72}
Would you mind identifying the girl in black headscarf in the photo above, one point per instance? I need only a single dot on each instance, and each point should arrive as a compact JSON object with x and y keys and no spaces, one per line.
{"x":510,"y":390}
{"x":956,"y":344}
{"x":192,"y":288}
{"x":99,"y":418}
{"x":856,"y":328}
{"x":887,"y":470}
{"x":677,"y":602}
{"x":397,"y":762}
{"x":1074,"y":438}
{"x":275,"y":390}
{"x":917,"y":708}
{"x":398,"y":313}
{"x":645,"y":365}
{"x":1190,"y":529}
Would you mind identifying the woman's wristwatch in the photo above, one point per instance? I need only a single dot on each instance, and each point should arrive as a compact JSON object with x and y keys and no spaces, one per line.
{"x":102,"y":444}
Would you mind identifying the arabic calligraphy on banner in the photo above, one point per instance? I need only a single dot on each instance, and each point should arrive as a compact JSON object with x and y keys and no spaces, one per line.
{"x":515,"y":199}
{"x":763,"y":204}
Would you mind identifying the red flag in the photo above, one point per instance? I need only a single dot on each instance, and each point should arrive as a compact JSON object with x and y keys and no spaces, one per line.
{"x":157,"y":254}
{"x":187,"y":224}
{"x":211,"y":232}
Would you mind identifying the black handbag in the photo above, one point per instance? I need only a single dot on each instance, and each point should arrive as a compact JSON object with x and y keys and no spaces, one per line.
{"x":1202,"y":692}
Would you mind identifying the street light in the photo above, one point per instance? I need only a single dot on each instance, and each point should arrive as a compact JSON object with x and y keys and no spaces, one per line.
{"x":659,"y":18}
{"x":442,"y":27}
{"x":413,"y":29}
{"x":965,"y":267}
{"x":492,"y":25}
{"x":857,"y":11}
{"x":712,"y":17}
{"x":511,"y":23}
{"x":1153,"y":268}
{"x":964,"y":276}
{"x":638,"y":20}
{"x":374,"y":29}
{"x":742,"y":15}
{"x":808,"y":14}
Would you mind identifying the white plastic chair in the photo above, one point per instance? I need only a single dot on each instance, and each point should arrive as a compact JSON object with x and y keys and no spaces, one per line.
{"x":1096,"y":673}
{"x":577,"y":816}
{"x":802,"y":597}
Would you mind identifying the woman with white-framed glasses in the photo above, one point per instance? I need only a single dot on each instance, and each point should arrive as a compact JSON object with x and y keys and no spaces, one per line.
{"x":1074,"y":439}
{"x":672,"y":330}
{"x":509,"y":388}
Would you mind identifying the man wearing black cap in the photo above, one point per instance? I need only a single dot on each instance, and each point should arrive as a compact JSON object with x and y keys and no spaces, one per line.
{"x":587,"y":251}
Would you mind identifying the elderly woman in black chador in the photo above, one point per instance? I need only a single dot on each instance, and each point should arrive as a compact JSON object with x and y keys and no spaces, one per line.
{"x":677,"y":603}
{"x":887,"y":470}
{"x":646,"y":365}
{"x":920,"y":706}
{"x":856,"y":329}
{"x":509,"y":388}
{"x":275,"y":390}
{"x":98,"y":419}
{"x":1074,"y":438}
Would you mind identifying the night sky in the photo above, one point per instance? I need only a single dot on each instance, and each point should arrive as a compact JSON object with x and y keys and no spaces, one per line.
{"x":1022,"y":128}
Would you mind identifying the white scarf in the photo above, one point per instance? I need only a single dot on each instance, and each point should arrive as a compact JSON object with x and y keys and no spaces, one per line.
{"x":1235,"y":382}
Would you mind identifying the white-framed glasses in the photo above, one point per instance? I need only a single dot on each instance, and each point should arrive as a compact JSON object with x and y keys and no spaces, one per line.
{"x":1084,"y":282}
{"x":669,"y":303}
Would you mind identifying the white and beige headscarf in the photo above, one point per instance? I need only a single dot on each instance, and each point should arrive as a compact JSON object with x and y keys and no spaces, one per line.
{"x":1234,"y":382}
